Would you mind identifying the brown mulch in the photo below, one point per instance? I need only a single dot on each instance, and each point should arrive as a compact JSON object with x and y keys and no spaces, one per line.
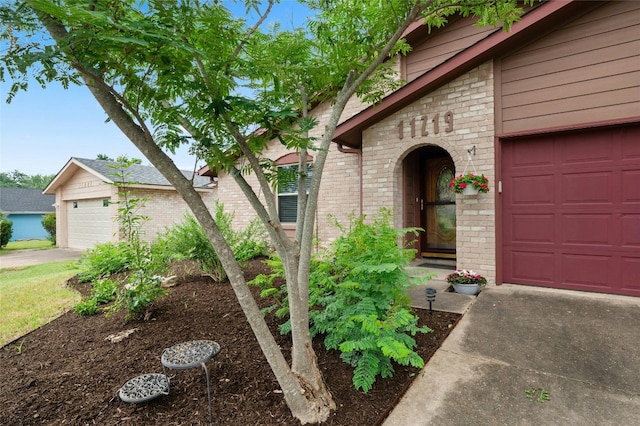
{"x":67,"y":373}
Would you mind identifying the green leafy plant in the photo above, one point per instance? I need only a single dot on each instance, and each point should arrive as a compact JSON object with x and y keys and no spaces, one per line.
{"x":6,"y":230}
{"x":49,"y":225}
{"x":143,"y":287}
{"x":20,"y":347}
{"x":537,"y":394}
{"x":86,"y":307}
{"x":358,"y":299}
{"x":138,"y":294}
{"x":479,"y":182}
{"x":251,"y":242}
{"x":272,"y":287}
{"x":102,"y":292}
{"x":104,"y":260}
{"x":187,"y":240}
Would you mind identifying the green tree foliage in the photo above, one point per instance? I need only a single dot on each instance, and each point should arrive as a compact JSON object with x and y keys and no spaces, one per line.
{"x":105,"y":157}
{"x":49,"y":225}
{"x":17,"y":179}
{"x":6,"y":230}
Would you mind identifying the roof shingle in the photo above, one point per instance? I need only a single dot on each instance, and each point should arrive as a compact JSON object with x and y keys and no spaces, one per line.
{"x":137,"y":173}
{"x":25,"y":200}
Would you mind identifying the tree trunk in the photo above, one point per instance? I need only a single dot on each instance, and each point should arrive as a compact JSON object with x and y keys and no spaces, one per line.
{"x":310,"y":402}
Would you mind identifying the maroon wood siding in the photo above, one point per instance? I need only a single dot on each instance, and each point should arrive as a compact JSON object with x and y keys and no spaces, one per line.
{"x":442,"y":45}
{"x":571,"y":210}
{"x":587,"y":71}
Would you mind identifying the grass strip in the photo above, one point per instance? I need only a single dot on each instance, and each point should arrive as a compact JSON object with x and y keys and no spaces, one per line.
{"x":34,"y":295}
{"x":26,"y":245}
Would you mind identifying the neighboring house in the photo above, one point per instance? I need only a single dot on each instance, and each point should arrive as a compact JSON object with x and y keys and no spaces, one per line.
{"x":549,"y":112}
{"x":25,"y":207}
{"x":86,"y":197}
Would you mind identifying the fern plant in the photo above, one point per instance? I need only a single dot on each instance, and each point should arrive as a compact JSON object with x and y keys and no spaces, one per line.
{"x":358,"y":299}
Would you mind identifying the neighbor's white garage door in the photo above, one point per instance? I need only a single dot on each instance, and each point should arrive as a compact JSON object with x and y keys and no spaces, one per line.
{"x":89,"y":223}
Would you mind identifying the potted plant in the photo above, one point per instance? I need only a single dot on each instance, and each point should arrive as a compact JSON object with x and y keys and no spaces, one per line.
{"x":470,"y":184}
{"x":466,"y":281}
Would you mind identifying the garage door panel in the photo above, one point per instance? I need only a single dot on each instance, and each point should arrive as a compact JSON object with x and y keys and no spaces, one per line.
{"x":531,"y":228}
{"x":588,"y":271}
{"x":534,"y":267}
{"x":530,"y":190}
{"x":574,"y":151}
{"x":631,"y":231}
{"x":631,"y":275}
{"x":534,"y":156}
{"x":631,"y":185}
{"x":630,"y":147}
{"x":587,"y":188}
{"x":571,"y":210}
{"x":88,"y":223}
{"x":588,"y":229}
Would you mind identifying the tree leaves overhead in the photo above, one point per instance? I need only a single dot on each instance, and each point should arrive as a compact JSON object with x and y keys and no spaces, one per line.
{"x":196,"y":75}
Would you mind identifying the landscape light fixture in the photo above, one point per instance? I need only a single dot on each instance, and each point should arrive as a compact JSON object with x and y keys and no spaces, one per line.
{"x":431,"y":297}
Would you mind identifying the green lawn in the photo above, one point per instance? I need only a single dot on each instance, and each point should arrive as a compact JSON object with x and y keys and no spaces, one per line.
{"x":33,"y":296}
{"x":28,"y":244}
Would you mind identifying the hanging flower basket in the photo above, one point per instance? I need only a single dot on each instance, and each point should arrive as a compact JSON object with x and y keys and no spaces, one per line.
{"x":470,"y":184}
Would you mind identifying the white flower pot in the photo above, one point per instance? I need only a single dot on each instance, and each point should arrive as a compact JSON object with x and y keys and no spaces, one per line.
{"x":466,"y":288}
{"x":470,"y":190}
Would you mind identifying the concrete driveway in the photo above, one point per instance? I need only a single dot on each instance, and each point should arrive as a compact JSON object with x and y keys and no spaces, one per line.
{"x":19,"y":258}
{"x":581,"y":349}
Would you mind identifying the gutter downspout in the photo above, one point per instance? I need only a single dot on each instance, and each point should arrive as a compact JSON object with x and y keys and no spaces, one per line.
{"x":344,"y":150}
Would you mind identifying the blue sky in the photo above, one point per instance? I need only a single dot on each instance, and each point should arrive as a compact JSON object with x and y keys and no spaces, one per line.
{"x":42,"y":128}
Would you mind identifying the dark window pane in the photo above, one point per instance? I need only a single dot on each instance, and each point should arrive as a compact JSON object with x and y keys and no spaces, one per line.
{"x":287,"y":208}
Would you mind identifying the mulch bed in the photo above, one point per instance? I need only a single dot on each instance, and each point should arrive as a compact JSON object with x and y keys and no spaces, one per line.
{"x":66,"y":372}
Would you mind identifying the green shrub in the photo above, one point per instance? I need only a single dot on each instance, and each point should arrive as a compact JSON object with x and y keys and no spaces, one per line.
{"x":104,"y":260}
{"x":246,"y":244}
{"x":143,"y":261}
{"x":251,"y":242}
{"x":104,"y":291}
{"x":358,"y":299}
{"x":86,"y":307}
{"x":362,"y":289}
{"x":139,"y":294}
{"x":6,"y":230}
{"x":49,"y":225}
{"x":187,"y":240}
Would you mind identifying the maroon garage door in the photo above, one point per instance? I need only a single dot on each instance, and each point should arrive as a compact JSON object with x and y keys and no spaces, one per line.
{"x":571,"y":210}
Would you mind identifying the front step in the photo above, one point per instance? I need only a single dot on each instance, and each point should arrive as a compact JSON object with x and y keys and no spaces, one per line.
{"x":446,"y":300}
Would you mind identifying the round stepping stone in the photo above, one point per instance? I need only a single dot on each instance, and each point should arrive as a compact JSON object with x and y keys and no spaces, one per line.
{"x":144,"y":388}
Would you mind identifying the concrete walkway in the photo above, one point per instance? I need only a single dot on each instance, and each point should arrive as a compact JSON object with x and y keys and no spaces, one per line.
{"x":19,"y":258}
{"x":583,"y":349}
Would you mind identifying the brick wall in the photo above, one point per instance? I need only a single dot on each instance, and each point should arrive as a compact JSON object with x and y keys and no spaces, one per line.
{"x":339,"y":191}
{"x":165,"y":208}
{"x":470,"y":99}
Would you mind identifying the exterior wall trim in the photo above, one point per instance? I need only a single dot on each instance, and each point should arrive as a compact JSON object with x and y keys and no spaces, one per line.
{"x":350,"y":132}
{"x":578,"y":126}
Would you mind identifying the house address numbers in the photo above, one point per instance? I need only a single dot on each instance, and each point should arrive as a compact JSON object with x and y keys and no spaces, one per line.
{"x":421,"y":126}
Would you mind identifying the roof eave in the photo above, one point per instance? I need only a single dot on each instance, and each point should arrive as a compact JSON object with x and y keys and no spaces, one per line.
{"x":349,"y":132}
{"x":67,"y":171}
